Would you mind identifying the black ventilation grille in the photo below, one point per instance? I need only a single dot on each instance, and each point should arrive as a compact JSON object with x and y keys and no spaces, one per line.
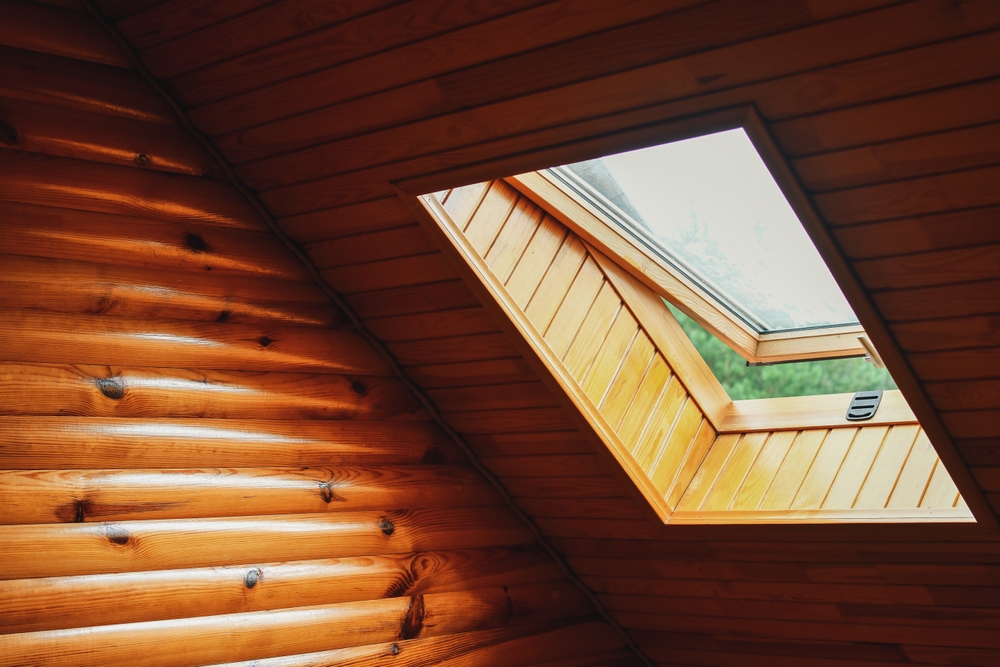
{"x":863,"y":405}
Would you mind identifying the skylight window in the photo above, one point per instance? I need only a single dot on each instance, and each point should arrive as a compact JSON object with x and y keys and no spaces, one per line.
{"x":709,"y":207}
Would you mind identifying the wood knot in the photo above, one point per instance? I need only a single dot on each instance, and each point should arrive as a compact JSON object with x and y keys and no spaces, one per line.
{"x":264,"y":341}
{"x":328,"y":495}
{"x":8,"y":135}
{"x":253,"y":576}
{"x":117,"y":535}
{"x":142,"y":159}
{"x":112,"y":387}
{"x":81,"y":512}
{"x":223,"y":316}
{"x":358,"y":388}
{"x":394,"y":649}
{"x":196,"y":243}
{"x":413,"y":622}
{"x":387,"y":526}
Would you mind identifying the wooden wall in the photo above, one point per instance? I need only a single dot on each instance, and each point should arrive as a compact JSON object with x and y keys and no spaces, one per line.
{"x":885,"y":110}
{"x":200,"y":462}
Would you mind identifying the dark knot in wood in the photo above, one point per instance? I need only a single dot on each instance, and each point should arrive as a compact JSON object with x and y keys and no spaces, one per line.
{"x":413,"y":622}
{"x":394,"y":649}
{"x":253,"y":576}
{"x":358,"y":388}
{"x":112,"y":387}
{"x":223,"y":316}
{"x":81,"y":512}
{"x":387,"y":526}
{"x":196,"y":243}
{"x":117,"y":535}
{"x":142,"y":159}
{"x":8,"y":135}
{"x":264,"y":341}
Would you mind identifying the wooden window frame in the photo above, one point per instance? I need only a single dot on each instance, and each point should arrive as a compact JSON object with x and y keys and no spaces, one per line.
{"x":595,"y":227}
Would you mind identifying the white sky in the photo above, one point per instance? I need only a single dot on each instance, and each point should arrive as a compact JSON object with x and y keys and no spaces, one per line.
{"x":712,"y":196}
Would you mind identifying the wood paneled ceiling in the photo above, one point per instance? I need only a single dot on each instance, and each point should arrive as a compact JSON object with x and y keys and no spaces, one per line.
{"x":888,"y":114}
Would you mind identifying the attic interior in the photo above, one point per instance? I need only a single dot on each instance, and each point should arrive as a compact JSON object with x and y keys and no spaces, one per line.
{"x":289,"y":411}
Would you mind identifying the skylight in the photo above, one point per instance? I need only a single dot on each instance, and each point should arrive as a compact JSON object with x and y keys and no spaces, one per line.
{"x":709,"y":207}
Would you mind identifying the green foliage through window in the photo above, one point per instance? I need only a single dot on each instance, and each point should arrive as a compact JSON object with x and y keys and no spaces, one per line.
{"x":806,"y":378}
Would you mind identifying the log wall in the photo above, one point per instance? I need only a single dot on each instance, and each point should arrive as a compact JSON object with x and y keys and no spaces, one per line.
{"x":200,"y":461}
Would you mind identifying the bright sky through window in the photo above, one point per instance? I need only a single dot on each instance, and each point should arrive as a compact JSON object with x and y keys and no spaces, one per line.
{"x":710,"y":207}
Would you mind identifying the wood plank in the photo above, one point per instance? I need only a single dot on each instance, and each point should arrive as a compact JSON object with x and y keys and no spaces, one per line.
{"x":897,"y":160}
{"x":371,"y":247}
{"x":513,"y":239}
{"x":39,"y":77}
{"x":625,"y":384}
{"x":57,"y":31}
{"x":63,"y":233}
{"x":453,"y":349}
{"x":583,"y":350}
{"x":492,"y":397}
{"x":915,"y":475}
{"x":597,"y":380}
{"x":471,"y":374}
{"x":390,"y":274}
{"x":151,"y":22}
{"x":704,"y":479}
{"x":59,"y":285}
{"x":888,"y":466}
{"x":677,"y":448}
{"x":822,"y":411}
{"x":963,"y":299}
{"x":793,"y":470}
{"x":498,"y":205}
{"x":28,"y":551}
{"x":55,"y":496}
{"x":731,"y":477}
{"x":94,"y":339}
{"x":640,"y":411}
{"x":854,"y":470}
{"x":437,"y":324}
{"x":933,"y":268}
{"x":84,"y":135}
{"x":696,"y":453}
{"x":568,"y":319}
{"x":558,"y":278}
{"x":424,"y":298}
{"x":111,"y":391}
{"x":653,"y":439}
{"x":270,"y":633}
{"x":72,"y":443}
{"x":463,"y":202}
{"x":510,"y":420}
{"x":896,"y":118}
{"x":27,"y":606}
{"x":537,"y":257}
{"x":105,"y":188}
{"x":368,"y":216}
{"x":941,"y":491}
{"x":764,"y":470}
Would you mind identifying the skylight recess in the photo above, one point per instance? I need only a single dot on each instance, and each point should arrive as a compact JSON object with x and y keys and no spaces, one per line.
{"x":709,"y":207}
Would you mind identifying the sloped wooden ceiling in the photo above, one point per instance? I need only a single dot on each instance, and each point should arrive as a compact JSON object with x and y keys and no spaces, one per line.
{"x":888,"y":114}
{"x":200,"y":460}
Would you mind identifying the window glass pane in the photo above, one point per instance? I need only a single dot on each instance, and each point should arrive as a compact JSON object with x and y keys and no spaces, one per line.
{"x":710,"y":207}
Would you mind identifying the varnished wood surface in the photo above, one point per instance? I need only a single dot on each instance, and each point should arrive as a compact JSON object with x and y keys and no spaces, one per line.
{"x":841,"y":85}
{"x":211,"y":465}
